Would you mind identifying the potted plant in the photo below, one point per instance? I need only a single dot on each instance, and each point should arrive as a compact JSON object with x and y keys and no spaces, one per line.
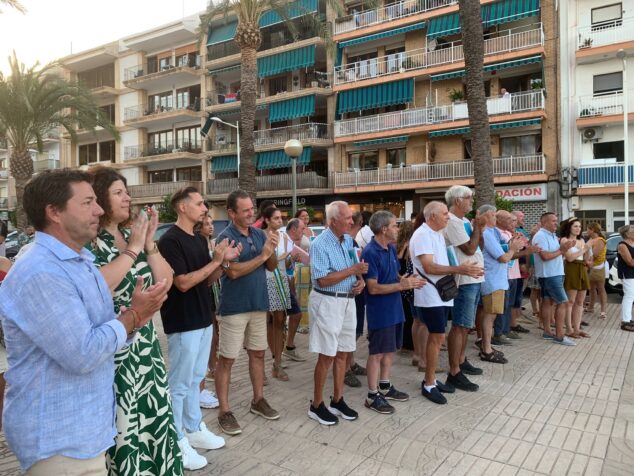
{"x":587,"y":43}
{"x":456,"y":95}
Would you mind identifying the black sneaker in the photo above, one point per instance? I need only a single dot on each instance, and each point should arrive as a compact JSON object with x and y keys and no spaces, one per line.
{"x":434,"y":395}
{"x":342,"y":410}
{"x":322,"y":415}
{"x":445,"y":388}
{"x":461,"y":382}
{"x":469,"y":369}
{"x":393,"y":394}
{"x":379,"y":404}
{"x":520,"y":329}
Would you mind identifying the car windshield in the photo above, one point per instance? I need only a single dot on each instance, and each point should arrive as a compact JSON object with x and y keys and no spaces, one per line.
{"x":613,"y":243}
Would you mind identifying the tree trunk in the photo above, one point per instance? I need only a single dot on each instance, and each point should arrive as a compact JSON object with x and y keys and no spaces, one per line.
{"x":21,"y":167}
{"x":473,"y":45}
{"x":248,"y":93}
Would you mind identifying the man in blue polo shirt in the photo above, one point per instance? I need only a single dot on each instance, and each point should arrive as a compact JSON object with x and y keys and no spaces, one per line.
{"x":384,"y":310}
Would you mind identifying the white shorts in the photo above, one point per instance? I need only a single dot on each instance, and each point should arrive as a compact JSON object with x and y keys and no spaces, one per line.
{"x":333,"y":324}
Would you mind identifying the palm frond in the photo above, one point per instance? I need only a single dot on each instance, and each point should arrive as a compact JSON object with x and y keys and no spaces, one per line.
{"x":13,"y":4}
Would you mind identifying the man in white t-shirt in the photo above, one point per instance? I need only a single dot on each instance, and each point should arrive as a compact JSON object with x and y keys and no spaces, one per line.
{"x":465,"y":241}
{"x":429,"y":256}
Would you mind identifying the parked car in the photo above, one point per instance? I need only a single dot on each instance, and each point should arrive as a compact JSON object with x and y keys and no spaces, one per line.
{"x":11,"y":244}
{"x":612,"y":243}
{"x":613,"y":283}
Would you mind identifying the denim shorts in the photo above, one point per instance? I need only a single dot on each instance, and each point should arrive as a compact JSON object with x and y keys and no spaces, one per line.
{"x":435,"y":318}
{"x":553,"y":289}
{"x":385,"y":340}
{"x":465,"y":305}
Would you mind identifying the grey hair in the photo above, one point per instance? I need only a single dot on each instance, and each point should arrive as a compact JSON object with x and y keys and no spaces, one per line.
{"x":455,"y":192}
{"x":432,"y":208}
{"x":482,"y":209}
{"x":380,"y":219}
{"x":333,"y":209}
{"x":624,"y":230}
{"x":293,"y":224}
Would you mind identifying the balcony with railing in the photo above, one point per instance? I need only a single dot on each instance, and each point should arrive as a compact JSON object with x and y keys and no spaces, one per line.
{"x":174,"y":109}
{"x":454,"y":170}
{"x":394,"y":11}
{"x":504,"y":42}
{"x":600,"y":176}
{"x":42,"y":164}
{"x":311,"y":133}
{"x":4,"y":174}
{"x":604,"y":104}
{"x":606,"y":33}
{"x":157,"y":190}
{"x":425,"y":116}
{"x":7,"y":203}
{"x":167,"y":149}
{"x":187,"y":65}
{"x":270,"y":183}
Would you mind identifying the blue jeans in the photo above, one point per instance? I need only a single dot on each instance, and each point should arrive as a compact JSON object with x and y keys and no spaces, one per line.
{"x":188,"y":356}
{"x":503,"y":321}
{"x":465,"y":305}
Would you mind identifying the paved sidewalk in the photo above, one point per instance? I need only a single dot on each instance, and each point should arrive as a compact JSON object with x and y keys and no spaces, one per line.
{"x":551,"y":410}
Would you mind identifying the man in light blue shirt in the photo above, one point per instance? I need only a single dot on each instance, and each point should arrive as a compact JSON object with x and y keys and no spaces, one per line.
{"x":61,"y":333}
{"x":549,"y":269}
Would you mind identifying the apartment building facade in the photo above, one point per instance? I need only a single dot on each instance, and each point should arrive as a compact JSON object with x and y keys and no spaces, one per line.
{"x":597,"y":52}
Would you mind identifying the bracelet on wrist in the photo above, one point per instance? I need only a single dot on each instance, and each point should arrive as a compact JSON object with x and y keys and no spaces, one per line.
{"x":130,"y":254}
{"x":152,"y":251}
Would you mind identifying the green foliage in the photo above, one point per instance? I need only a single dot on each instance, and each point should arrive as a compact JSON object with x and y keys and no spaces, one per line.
{"x":13,"y":218}
{"x":166,"y":213}
{"x":456,"y":95}
{"x":500,"y":204}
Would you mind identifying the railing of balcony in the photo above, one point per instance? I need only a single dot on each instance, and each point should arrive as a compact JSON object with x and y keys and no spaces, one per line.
{"x":142,"y":110}
{"x":602,"y":175}
{"x":220,"y":50}
{"x":387,"y":13}
{"x":45,"y":164}
{"x":505,"y":41}
{"x":4,"y":174}
{"x":607,"y":33}
{"x":270,"y":183}
{"x":512,"y":165}
{"x":604,"y":104}
{"x":221,"y":96}
{"x":516,"y":102}
{"x":308,"y":131}
{"x":139,"y":71}
{"x":160,"y":189}
{"x":5,"y":203}
{"x":148,"y":150}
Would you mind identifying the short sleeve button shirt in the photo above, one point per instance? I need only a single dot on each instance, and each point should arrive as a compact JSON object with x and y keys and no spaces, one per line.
{"x":329,"y":254}
{"x":547,"y":241}
{"x":495,"y":273}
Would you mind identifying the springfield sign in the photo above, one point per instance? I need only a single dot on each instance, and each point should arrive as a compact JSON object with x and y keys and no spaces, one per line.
{"x":524,"y":193}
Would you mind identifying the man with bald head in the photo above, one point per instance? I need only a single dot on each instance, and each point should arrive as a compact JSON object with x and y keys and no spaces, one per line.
{"x":431,"y":261}
{"x":336,"y":275}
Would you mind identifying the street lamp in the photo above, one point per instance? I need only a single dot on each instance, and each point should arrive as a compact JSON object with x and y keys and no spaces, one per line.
{"x":211,"y":119}
{"x":626,"y":179}
{"x":294,"y":148}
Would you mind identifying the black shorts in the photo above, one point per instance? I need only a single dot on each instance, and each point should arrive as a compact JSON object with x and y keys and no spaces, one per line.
{"x":435,"y":318}
{"x":385,"y":340}
{"x":295,"y":309}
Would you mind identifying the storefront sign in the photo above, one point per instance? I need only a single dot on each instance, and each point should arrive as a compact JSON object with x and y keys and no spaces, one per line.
{"x":524,"y":193}
{"x":287,"y":202}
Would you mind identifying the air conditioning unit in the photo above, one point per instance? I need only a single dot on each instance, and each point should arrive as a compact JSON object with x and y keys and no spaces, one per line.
{"x":592,"y":134}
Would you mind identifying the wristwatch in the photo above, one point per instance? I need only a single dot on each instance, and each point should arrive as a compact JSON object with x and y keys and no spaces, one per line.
{"x":226,"y":265}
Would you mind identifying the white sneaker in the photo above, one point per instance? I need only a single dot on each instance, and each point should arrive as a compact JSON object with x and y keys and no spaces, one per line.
{"x":191,"y":459}
{"x":208,"y":399}
{"x":205,"y":439}
{"x":565,"y":341}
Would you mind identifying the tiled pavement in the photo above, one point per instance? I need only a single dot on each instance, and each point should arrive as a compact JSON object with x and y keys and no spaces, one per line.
{"x":551,"y":410}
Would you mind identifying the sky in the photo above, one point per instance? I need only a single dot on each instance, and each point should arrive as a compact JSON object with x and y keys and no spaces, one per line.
{"x":51,"y":29}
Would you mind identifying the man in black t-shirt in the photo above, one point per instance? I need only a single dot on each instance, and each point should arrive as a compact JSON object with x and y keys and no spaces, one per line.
{"x":186,"y":316}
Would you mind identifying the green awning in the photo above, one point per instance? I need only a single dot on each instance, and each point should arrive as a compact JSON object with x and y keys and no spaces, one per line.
{"x":491,"y":14}
{"x":277,"y":159}
{"x":490,"y":67}
{"x":213,"y":72}
{"x":387,"y":140}
{"x":450,"y":132}
{"x":229,"y":112}
{"x":508,"y":125}
{"x":287,"y":61}
{"x":296,"y":9}
{"x":292,"y":109}
{"x":224,"y":163}
{"x":383,"y":34}
{"x":221,"y":33}
{"x":379,"y":95}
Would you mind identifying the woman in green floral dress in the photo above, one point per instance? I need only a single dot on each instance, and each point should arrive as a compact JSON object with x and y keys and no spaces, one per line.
{"x":146,"y":442}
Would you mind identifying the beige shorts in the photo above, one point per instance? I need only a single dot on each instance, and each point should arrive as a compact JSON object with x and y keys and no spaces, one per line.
{"x":597,"y":274}
{"x":333,"y":324}
{"x":493,"y":303}
{"x":59,"y":464}
{"x":248,"y":328}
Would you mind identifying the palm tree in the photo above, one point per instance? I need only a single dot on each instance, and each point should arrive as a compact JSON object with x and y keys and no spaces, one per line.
{"x":249,"y":39}
{"x":473,"y":45}
{"x":13,"y":4}
{"x":34,"y":101}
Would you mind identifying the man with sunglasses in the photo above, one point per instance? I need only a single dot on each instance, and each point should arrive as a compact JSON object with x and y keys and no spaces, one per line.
{"x":244,"y":302}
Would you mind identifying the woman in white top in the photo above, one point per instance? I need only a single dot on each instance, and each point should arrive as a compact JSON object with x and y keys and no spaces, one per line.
{"x":576,"y":282}
{"x":279,"y":291}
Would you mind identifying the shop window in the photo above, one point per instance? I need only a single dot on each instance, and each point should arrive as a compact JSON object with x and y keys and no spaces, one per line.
{"x":618,"y":219}
{"x":607,"y":83}
{"x":608,"y":150}
{"x":396,"y":157}
{"x":587,"y":217}
{"x":363,"y":160}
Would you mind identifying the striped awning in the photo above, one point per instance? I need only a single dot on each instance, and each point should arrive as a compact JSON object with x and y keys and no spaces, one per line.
{"x":296,"y":9}
{"x":383,"y":34}
{"x":450,"y":132}
{"x":221,"y":33}
{"x":214,"y":72}
{"x":292,"y":109}
{"x":387,"y":140}
{"x":224,"y":163}
{"x":493,"y":126}
{"x":379,"y":95}
{"x":453,"y":74}
{"x":277,"y":159}
{"x":490,"y":67}
{"x":287,"y":61}
{"x":491,"y":14}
